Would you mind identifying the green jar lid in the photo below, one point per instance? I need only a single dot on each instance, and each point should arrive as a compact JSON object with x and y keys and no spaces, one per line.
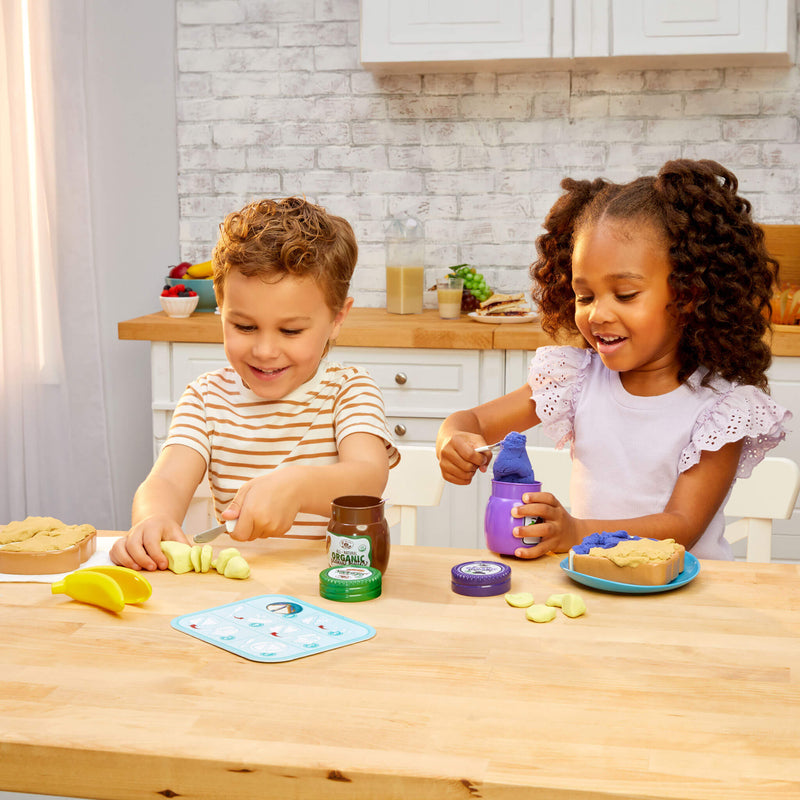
{"x":350,"y":584}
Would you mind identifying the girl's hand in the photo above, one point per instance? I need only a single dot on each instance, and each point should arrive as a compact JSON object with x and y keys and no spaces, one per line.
{"x":458,"y":460}
{"x":558,"y":529}
{"x":141,"y":548}
{"x":265,"y":506}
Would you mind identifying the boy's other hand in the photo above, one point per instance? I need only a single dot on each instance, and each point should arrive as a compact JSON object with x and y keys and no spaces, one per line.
{"x":458,"y":460}
{"x":141,"y":548}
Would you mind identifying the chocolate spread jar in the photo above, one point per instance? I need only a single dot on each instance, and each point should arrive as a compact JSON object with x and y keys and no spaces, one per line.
{"x":358,"y":534}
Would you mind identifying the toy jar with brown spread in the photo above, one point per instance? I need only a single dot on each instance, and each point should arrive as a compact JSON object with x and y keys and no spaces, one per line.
{"x":358,"y":534}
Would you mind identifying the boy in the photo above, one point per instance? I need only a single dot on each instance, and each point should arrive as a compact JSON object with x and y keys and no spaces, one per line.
{"x":280,"y":432}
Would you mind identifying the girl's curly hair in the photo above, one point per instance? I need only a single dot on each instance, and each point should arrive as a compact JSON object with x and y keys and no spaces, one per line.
{"x":270,"y":239}
{"x":722,"y":275}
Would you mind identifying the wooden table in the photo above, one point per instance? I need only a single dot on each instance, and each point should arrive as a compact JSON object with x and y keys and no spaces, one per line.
{"x":693,"y":693}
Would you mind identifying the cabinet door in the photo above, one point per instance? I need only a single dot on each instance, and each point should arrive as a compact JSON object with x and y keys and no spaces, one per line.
{"x":395,"y":31}
{"x":713,"y":27}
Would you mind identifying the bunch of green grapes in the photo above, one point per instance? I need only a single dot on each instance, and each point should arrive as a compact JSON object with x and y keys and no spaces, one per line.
{"x":476,"y":289}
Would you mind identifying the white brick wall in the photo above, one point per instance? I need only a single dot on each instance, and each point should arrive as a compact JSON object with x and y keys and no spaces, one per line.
{"x":272,"y":101}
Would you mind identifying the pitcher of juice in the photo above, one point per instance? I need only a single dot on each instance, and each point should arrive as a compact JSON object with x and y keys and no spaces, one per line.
{"x":405,"y":270}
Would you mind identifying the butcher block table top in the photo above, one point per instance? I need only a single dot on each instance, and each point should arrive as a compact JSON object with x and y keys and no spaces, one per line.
{"x":376,"y":327}
{"x":691,"y":693}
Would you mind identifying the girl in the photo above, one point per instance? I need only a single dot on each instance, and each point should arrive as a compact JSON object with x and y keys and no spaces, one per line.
{"x":280,"y":431}
{"x":667,"y":281}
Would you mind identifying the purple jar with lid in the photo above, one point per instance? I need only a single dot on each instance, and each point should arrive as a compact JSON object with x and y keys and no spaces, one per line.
{"x":498,"y":524}
{"x":480,"y":578}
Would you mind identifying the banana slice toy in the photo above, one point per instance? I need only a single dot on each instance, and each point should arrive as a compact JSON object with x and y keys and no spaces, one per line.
{"x":109,"y":587}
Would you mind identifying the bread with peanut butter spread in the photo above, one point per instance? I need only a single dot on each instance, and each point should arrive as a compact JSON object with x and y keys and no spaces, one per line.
{"x":628,"y":559}
{"x":44,"y":545}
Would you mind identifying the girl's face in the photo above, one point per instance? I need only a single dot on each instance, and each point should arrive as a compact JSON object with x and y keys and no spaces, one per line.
{"x":275,"y":333}
{"x":619,"y":276}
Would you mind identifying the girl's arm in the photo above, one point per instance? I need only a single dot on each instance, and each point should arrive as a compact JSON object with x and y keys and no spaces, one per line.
{"x":698,"y":494}
{"x":267,"y":506}
{"x":488,"y":423}
{"x":159,"y":506}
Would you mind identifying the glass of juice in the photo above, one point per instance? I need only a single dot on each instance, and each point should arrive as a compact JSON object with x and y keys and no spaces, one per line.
{"x":448,"y":292}
{"x":405,"y":271}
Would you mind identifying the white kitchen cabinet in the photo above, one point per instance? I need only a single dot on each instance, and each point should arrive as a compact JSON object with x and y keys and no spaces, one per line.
{"x":766,"y":28}
{"x":784,"y":382}
{"x":463,"y":35}
{"x":420,"y":388}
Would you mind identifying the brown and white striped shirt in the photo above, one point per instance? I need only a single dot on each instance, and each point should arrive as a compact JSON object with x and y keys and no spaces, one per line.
{"x":241,"y":436}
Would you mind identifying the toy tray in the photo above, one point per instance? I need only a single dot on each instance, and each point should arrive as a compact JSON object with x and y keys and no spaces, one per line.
{"x":273,"y":627}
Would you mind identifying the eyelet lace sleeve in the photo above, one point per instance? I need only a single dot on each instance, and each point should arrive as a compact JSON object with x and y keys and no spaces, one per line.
{"x":556,"y":376}
{"x":742,"y":412}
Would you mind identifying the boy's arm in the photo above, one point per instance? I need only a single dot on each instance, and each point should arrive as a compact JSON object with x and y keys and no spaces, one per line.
{"x":267,"y":506}
{"x":159,"y":506}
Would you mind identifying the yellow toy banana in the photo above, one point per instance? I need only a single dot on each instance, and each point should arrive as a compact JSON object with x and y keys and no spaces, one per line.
{"x":205,"y":269}
{"x":109,"y":587}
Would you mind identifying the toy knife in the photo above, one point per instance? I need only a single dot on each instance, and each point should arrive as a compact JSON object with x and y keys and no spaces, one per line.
{"x":212,"y":533}
{"x":489,"y":448}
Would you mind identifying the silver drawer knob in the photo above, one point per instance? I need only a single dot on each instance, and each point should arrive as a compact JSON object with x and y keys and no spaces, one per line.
{"x":400,"y":378}
{"x":400,"y":430}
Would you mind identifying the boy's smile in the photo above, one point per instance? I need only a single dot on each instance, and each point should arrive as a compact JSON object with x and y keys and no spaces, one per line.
{"x":276,"y":332}
{"x":620,"y":272}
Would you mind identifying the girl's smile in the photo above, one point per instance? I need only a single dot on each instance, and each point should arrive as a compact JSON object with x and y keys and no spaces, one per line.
{"x":276,"y":332}
{"x":622,"y":303}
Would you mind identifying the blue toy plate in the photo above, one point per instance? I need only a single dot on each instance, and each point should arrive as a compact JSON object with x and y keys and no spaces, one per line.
{"x":273,"y":627}
{"x":691,"y":566}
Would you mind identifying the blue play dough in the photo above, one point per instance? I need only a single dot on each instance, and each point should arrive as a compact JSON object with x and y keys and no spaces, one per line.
{"x":604,"y":540}
{"x":512,"y":464}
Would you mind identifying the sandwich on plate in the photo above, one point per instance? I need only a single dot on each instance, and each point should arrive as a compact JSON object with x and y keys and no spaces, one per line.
{"x":504,"y":305}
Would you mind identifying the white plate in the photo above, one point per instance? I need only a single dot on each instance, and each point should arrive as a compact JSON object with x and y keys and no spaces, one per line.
{"x":475,"y":317}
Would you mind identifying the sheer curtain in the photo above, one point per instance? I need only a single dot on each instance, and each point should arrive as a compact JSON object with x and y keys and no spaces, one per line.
{"x":53,"y":433}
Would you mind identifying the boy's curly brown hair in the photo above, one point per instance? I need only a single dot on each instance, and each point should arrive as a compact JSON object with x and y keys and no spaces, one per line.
{"x":270,"y":239}
{"x":722,"y":275}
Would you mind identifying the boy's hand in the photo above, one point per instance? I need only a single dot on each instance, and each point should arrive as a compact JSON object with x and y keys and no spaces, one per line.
{"x":265,"y":506}
{"x":141,"y":548}
{"x":458,"y":460}
{"x":558,"y":530}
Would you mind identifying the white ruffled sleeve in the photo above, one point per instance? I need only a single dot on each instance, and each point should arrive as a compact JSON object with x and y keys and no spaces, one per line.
{"x":741,"y":413}
{"x":556,"y":376}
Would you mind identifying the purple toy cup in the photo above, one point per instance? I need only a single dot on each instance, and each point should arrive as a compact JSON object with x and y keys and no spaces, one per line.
{"x":498,"y":524}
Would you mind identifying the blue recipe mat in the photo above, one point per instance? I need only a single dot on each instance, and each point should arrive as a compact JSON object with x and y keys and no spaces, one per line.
{"x":273,"y":627}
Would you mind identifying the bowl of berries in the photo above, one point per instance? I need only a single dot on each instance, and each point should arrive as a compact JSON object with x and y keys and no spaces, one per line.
{"x":178,"y":301}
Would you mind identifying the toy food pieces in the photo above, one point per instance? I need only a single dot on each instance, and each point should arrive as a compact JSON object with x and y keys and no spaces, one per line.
{"x":44,"y":546}
{"x":628,"y":559}
{"x":109,"y":587}
{"x":512,"y":464}
{"x":182,"y":557}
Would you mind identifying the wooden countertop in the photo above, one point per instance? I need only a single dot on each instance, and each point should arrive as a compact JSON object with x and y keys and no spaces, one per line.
{"x":692,"y":693}
{"x":376,"y":327}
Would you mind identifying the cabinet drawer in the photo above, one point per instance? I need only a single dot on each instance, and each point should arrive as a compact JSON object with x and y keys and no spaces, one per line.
{"x":427,"y":382}
{"x":189,"y":361}
{"x":414,"y":430}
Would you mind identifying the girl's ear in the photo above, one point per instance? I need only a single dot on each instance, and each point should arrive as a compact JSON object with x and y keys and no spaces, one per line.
{"x":339,"y":319}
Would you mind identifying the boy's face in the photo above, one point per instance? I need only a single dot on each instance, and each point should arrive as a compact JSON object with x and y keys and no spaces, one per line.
{"x":275,"y":333}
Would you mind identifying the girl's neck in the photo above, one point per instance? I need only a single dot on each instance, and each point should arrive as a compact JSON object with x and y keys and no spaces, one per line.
{"x":650,"y":382}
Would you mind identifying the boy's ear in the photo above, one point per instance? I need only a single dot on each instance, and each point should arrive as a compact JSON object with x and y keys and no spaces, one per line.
{"x":339,"y":319}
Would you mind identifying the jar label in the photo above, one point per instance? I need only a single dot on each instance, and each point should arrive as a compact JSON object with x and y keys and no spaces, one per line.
{"x":531,"y":540}
{"x":347,"y":551}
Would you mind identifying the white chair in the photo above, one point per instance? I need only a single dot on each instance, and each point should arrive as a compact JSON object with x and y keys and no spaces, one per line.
{"x":553,"y":468}
{"x":416,"y":481}
{"x":769,"y":493}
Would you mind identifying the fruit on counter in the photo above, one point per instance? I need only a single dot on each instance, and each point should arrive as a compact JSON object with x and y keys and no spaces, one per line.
{"x":476,"y":290}
{"x":179,"y":559}
{"x":91,"y":587}
{"x":205,"y":269}
{"x":786,"y":305}
{"x":179,"y":290}
{"x":179,"y":270}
